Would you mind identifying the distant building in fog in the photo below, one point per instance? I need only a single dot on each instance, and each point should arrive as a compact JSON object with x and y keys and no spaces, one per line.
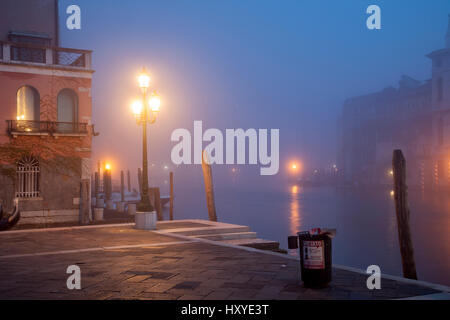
{"x":414,"y":117}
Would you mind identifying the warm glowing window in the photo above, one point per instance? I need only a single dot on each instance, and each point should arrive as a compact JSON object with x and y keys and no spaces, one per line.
{"x":27,"y":104}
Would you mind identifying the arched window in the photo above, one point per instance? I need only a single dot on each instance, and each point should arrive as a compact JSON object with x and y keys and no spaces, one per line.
{"x":28,"y":104}
{"x":28,"y":178}
{"x":67,"y":110}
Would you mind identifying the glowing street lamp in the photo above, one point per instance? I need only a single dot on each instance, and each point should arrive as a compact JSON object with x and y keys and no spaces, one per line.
{"x":154,"y":102}
{"x":137,"y":108}
{"x":144,"y":80}
{"x":145,"y":111}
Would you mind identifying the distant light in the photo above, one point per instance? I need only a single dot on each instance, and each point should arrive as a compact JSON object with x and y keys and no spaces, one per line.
{"x":294,"y":189}
{"x":107,"y":166}
{"x":166,"y":167}
{"x":233,"y":170}
{"x":392,"y":193}
{"x":391,"y":172}
{"x":294,"y":167}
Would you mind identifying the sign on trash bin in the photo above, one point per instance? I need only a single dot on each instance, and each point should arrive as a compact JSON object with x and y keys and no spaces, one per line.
{"x":313,"y":255}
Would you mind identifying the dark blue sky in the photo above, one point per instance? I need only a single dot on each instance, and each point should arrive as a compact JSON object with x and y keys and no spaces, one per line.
{"x":260,"y":64}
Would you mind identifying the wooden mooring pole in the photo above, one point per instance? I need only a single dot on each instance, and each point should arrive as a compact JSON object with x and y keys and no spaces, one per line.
{"x":122,"y":186}
{"x":402,"y":212}
{"x":140,"y":181}
{"x":171,"y":196}
{"x":128,"y":181}
{"x":84,"y":201}
{"x":155,"y":195}
{"x":209,"y":188}
{"x":106,"y":184}
{"x":97,"y":185}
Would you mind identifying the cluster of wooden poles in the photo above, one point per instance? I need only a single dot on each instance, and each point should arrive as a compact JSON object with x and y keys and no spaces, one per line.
{"x":155,"y":194}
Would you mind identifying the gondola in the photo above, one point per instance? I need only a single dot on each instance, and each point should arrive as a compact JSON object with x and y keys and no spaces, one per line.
{"x":9,"y":221}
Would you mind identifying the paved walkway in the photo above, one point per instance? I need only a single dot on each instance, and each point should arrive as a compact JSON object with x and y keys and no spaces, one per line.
{"x":119,"y":262}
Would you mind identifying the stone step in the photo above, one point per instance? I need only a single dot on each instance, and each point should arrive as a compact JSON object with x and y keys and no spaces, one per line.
{"x":229,"y":236}
{"x":255,"y":243}
{"x":211,"y":231}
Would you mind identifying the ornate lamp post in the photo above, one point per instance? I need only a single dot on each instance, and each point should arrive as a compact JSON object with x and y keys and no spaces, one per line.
{"x":145,"y":111}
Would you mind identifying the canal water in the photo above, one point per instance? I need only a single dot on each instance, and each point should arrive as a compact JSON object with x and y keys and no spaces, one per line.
{"x":365,"y":222}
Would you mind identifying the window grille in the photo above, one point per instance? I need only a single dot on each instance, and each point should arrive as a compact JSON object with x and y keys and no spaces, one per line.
{"x":28,"y":178}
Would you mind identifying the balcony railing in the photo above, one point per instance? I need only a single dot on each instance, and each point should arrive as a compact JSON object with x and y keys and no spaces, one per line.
{"x":41,"y":55}
{"x":42,"y":127}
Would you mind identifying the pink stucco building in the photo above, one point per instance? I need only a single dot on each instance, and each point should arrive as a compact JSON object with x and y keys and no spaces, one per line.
{"x":45,"y":116}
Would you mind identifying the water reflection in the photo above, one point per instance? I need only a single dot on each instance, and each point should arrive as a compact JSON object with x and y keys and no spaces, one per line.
{"x":392,"y":238}
{"x":365,"y":220}
{"x":295,"y":218}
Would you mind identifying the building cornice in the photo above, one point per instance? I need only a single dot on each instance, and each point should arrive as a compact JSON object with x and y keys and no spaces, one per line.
{"x":438,"y":53}
{"x":42,"y":69}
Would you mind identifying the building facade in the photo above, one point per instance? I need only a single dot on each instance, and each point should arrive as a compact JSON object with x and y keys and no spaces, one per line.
{"x":45,"y":116}
{"x":413,"y":117}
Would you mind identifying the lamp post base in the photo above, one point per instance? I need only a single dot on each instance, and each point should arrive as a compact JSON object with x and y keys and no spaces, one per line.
{"x":145,"y":220}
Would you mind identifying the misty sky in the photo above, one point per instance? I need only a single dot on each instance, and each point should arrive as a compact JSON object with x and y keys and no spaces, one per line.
{"x":249,"y":64}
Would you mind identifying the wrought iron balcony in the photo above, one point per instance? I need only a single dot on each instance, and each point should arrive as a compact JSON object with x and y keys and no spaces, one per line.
{"x":27,"y":127}
{"x":26,"y":53}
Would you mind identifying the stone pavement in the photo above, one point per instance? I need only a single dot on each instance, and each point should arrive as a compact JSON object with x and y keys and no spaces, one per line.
{"x":119,"y":262}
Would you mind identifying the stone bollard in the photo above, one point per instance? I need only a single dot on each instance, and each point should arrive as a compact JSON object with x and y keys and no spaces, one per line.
{"x":98,"y":214}
{"x":131,"y":209}
{"x":109,"y":204}
{"x":145,"y":220}
{"x":120,"y":206}
{"x":100,"y":203}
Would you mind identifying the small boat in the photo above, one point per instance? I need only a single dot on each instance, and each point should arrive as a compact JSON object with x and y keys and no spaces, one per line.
{"x":9,"y":221}
{"x":164,"y":200}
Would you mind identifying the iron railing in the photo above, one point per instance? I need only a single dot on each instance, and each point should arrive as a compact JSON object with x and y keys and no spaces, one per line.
{"x":28,"y":126}
{"x":26,"y":53}
{"x":54,"y":56}
{"x":71,"y":58}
